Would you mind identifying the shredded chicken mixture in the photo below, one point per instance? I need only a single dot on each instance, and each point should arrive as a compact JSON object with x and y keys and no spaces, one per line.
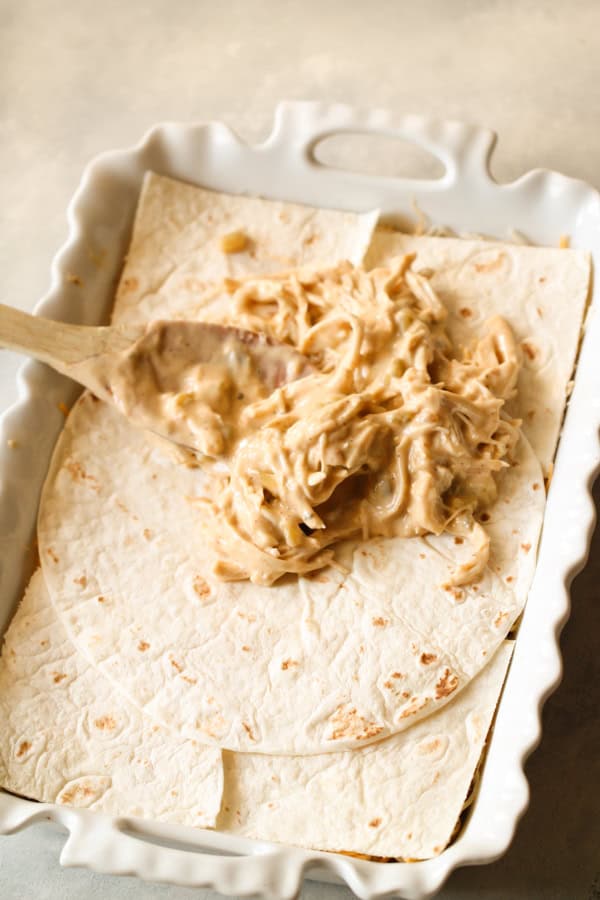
{"x":393,"y":432}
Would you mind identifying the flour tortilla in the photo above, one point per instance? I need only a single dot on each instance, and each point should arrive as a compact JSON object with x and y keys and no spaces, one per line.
{"x":540,"y":291}
{"x":66,"y":738}
{"x":400,"y":798}
{"x":175,"y":252}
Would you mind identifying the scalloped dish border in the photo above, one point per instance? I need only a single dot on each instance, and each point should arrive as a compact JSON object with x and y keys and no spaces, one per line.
{"x":541,"y":204}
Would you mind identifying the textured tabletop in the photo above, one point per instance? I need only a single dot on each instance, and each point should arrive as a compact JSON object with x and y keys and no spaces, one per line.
{"x":81,"y":76}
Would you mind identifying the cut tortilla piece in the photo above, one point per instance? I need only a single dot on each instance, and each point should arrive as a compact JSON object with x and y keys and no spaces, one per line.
{"x":541,"y":292}
{"x":65,"y":738}
{"x":398,"y":798}
{"x":309,"y":665}
{"x":176,"y":249}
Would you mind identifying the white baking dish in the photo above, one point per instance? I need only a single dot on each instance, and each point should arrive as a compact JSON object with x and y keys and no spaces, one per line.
{"x":542,"y":205}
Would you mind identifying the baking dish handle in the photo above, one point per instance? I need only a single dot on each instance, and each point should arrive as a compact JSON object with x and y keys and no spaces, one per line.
{"x":461,"y":148}
{"x":201,"y":859}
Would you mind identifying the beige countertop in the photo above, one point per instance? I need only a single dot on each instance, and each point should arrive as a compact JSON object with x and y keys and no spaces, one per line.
{"x":80,"y":77}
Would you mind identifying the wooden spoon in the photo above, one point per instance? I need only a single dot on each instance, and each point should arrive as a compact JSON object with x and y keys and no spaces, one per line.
{"x":133,"y":367}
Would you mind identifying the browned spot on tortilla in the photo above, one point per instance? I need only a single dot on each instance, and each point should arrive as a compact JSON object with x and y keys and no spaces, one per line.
{"x":320,"y":578}
{"x":194,"y":500}
{"x":175,"y":664}
{"x":201,"y":587}
{"x":490,"y":266}
{"x":388,"y":685}
{"x":105,"y":723}
{"x":380,"y":622}
{"x":347,"y":723}
{"x":231,"y":285}
{"x":459,"y":540}
{"x":427,"y":658}
{"x":288,"y":663}
{"x":78,"y":473}
{"x":24,"y":746}
{"x":100,"y":599}
{"x":465,"y":312}
{"x":430,"y":746}
{"x":52,"y":555}
{"x":63,"y":408}
{"x":535,"y":486}
{"x":250,"y":617}
{"x":213,"y":726}
{"x":397,"y":675}
{"x":421,"y":556}
{"x":542,"y":279}
{"x":485,"y":517}
{"x":143,"y":646}
{"x":44,"y":642}
{"x":245,"y":648}
{"x":540,"y":311}
{"x":174,"y":793}
{"x":529,"y":349}
{"x":74,"y":279}
{"x":57,"y":677}
{"x":148,"y":534}
{"x":526,"y":547}
{"x":415,"y":705}
{"x":189,"y":679}
{"x":129,"y":284}
{"x":375,"y":823}
{"x":509,"y":578}
{"x":446,"y":685}
{"x":81,"y":581}
{"x":361,"y":648}
{"x":248,"y":731}
{"x":500,"y":619}
{"x":78,"y":792}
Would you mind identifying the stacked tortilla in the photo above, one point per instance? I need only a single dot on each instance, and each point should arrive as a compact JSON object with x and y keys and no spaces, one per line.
{"x":345,"y":711}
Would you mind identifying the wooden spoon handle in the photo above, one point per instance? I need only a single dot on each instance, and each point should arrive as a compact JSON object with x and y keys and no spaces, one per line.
{"x":57,"y":343}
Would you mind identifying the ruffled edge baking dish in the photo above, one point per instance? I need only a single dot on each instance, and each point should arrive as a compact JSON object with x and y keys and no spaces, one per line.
{"x":542,"y":205}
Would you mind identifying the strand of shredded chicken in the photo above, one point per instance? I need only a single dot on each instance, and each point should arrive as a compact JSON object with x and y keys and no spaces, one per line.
{"x":394,"y":431}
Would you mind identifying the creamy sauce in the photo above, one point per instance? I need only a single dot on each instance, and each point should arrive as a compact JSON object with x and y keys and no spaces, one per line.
{"x":190,"y":381}
{"x":394,"y":432}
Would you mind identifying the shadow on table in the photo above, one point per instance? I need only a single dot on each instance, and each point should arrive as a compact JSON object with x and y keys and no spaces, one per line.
{"x":556,"y":850}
